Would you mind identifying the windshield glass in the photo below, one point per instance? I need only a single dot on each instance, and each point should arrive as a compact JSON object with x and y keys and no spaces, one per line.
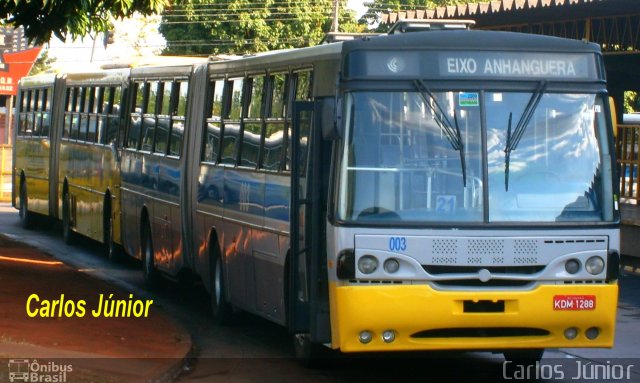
{"x":404,"y":154}
{"x":402,"y":159}
{"x":554,"y":173}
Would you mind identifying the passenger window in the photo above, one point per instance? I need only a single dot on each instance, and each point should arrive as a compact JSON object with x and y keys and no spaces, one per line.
{"x":273,"y":146}
{"x":46,"y":123}
{"x":250,"y":145}
{"x":180,"y":96}
{"x":304,"y":86}
{"x":278,"y":95}
{"x":235,"y":98}
{"x":257,"y":91}
{"x":229,"y":139}
{"x":133,"y":135}
{"x":165,"y":101}
{"x":211,"y":143}
{"x":217,"y":97}
{"x":183,"y":93}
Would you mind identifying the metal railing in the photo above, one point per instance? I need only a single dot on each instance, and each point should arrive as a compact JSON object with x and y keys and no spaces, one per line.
{"x":627,"y":144}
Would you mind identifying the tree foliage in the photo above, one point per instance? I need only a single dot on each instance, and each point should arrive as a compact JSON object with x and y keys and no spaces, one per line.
{"x":41,"y":18}
{"x":631,"y":102}
{"x":378,"y":7}
{"x":203,"y":27}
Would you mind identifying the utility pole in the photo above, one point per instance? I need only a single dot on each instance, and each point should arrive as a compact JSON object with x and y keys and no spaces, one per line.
{"x":336,"y":8}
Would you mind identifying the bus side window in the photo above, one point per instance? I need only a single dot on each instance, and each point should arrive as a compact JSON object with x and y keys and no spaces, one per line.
{"x":101,"y":120}
{"x":37,"y":115}
{"x":303,"y":92}
{"x":67,"y":114}
{"x":149,"y":118}
{"x":23,"y":112}
{"x":164,"y":117}
{"x":133,"y":135}
{"x":233,"y":99}
{"x":46,"y":108}
{"x":178,"y":118}
{"x":252,"y":132}
{"x":273,"y":143}
{"x":75,"y":121}
{"x":84,"y":119}
{"x":211,"y":144}
{"x":92,"y":133}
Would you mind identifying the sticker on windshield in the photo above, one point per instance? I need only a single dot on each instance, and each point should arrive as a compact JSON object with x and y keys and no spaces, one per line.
{"x":468,"y":99}
{"x":445,"y":203}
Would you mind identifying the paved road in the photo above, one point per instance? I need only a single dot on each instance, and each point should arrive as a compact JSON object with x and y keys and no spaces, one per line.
{"x":257,"y":350}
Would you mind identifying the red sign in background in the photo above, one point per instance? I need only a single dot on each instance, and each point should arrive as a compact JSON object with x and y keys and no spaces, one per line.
{"x":13,"y":67}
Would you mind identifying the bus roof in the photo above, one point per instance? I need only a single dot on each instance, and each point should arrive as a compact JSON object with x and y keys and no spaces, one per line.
{"x":472,"y":40}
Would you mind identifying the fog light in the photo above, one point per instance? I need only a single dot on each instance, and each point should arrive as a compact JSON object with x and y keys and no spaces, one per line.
{"x":367,"y":264}
{"x":572,"y":266}
{"x":391,"y":265}
{"x":571,"y":333}
{"x":592,"y":333}
{"x":594,"y":265}
{"x":365,"y":337}
{"x":388,"y":336}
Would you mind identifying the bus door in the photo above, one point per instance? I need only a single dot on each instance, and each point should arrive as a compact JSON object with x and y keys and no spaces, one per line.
{"x":308,"y":298}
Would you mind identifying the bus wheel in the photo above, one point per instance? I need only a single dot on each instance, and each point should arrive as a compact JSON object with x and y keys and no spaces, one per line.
{"x":308,"y":353}
{"x":149,"y":271}
{"x":68,"y":234}
{"x":26,"y":218}
{"x":524,"y":357}
{"x":112,"y":249}
{"x":220,"y":308}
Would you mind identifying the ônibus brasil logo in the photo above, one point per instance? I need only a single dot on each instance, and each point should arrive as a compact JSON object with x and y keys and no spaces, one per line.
{"x":24,"y":370}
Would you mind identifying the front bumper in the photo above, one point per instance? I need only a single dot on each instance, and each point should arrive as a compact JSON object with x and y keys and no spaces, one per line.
{"x":409,"y":310}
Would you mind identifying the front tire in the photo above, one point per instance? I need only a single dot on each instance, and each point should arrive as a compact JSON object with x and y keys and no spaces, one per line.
{"x":220,"y":308}
{"x":308,"y":353}
{"x":26,"y":217}
{"x":112,"y":249}
{"x":68,"y":234}
{"x":526,"y":357}
{"x":149,"y":272}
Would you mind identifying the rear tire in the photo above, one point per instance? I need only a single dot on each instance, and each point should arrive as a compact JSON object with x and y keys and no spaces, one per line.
{"x":26,"y":217}
{"x":149,"y":272}
{"x":112,"y":249}
{"x":220,"y":308}
{"x":308,"y":353}
{"x":526,"y":357}
{"x":68,"y":234}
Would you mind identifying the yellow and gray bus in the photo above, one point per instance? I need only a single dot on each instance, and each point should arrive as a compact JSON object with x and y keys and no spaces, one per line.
{"x":448,"y":189}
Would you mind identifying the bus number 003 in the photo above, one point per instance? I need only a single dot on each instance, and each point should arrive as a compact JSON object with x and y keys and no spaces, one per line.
{"x":397,"y":243}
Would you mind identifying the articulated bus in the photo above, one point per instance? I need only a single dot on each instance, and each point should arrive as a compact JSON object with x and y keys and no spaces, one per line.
{"x":66,"y":152}
{"x":418,"y":191}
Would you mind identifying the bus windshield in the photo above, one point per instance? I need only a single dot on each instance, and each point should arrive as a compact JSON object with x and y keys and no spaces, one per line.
{"x":401,"y":164}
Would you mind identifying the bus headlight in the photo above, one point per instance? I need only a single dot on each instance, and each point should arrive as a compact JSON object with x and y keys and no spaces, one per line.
{"x":391,"y":265}
{"x":572,"y":266}
{"x":594,"y":265}
{"x":367,"y":264}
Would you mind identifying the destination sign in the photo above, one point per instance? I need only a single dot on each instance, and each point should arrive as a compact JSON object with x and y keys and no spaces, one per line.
{"x":508,"y":64}
{"x":472,"y":65}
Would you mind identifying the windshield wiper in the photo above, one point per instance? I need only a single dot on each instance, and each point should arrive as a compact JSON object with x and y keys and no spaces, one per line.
{"x":452,"y":132}
{"x":514,"y":139}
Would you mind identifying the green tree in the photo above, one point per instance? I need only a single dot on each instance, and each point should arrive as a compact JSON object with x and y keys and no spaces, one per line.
{"x":205,"y":27}
{"x":42,"y":64}
{"x":41,"y":18}
{"x":631,"y":102}
{"x":378,"y":7}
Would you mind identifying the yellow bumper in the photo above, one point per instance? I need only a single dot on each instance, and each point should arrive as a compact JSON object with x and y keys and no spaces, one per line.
{"x":411,"y":309}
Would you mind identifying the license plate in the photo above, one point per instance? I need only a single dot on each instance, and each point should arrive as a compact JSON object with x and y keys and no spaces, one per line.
{"x":574,"y":302}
